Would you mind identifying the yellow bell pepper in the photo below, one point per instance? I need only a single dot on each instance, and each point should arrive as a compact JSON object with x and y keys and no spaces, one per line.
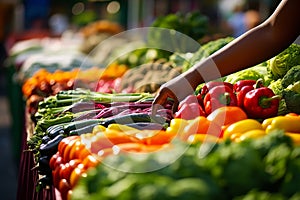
{"x":255,"y":133}
{"x":286,"y":123}
{"x":241,"y":127}
{"x":176,"y":126}
{"x":195,"y":138}
{"x":123,"y":128}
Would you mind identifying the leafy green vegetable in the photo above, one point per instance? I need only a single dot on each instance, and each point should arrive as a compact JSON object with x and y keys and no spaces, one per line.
{"x":193,"y":24}
{"x":291,"y":93}
{"x":281,"y":63}
{"x":277,"y":88}
{"x":291,"y":77}
{"x":206,"y":50}
{"x":292,"y":100}
{"x":264,"y":168}
{"x":252,"y":73}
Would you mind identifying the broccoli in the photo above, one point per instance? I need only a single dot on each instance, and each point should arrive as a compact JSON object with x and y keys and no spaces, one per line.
{"x":277,"y":88}
{"x":281,"y":63}
{"x":291,"y":93}
{"x":291,"y":77}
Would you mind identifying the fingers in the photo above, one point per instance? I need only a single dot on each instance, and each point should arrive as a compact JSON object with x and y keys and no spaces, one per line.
{"x":161,"y":99}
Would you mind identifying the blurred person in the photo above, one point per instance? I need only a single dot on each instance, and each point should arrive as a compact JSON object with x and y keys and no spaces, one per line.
{"x":259,"y":44}
{"x":58,"y":24}
{"x":252,"y":19}
{"x":237,"y":21}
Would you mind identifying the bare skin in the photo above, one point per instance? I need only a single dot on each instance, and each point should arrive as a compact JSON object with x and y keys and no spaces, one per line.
{"x":253,"y":47}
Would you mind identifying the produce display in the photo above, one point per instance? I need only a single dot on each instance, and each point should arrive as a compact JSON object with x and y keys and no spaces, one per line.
{"x":237,"y":137}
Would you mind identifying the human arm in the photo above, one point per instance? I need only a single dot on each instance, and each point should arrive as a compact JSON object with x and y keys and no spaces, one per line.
{"x":256,"y":45}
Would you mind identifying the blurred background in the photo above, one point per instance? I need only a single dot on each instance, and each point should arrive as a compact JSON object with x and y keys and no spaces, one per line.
{"x":22,"y":20}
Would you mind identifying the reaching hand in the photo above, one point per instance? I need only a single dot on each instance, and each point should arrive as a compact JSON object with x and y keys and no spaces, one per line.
{"x":176,"y":89}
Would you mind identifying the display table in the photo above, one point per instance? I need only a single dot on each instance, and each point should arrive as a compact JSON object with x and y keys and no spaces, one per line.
{"x":28,"y":175}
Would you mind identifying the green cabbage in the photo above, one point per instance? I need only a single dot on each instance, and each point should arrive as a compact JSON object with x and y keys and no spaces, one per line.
{"x":281,"y":63}
{"x":206,"y":50}
{"x":253,"y":73}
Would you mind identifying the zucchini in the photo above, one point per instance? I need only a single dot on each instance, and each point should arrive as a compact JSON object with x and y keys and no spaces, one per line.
{"x":133,"y":118}
{"x":83,"y":130}
{"x":80,"y":124}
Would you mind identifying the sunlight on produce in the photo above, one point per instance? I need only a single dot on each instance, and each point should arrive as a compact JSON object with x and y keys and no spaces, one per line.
{"x":150,"y":100}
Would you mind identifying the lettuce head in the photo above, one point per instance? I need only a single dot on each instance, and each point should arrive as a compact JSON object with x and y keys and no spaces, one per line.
{"x":280,"y":64}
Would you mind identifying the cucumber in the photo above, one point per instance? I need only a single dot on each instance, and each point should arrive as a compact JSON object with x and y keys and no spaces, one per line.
{"x":83,"y":130}
{"x":80,"y":124}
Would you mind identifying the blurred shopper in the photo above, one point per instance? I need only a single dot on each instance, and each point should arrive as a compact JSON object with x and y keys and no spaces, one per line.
{"x":237,"y":21}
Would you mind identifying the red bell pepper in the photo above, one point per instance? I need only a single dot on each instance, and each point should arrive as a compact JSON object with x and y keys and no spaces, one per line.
{"x":189,"y":111}
{"x":219,"y":96}
{"x":210,"y":85}
{"x":237,"y":87}
{"x":242,"y":87}
{"x":261,"y":103}
{"x":241,"y":94}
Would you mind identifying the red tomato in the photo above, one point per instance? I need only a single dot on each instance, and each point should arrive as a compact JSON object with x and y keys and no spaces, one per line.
{"x":68,"y":148}
{"x":64,"y":188}
{"x":53,"y":160}
{"x":90,"y":161}
{"x":83,"y":154}
{"x":70,"y":192}
{"x":55,"y":176}
{"x":75,"y":150}
{"x":58,"y":161}
{"x":64,"y":142}
{"x":76,"y":174}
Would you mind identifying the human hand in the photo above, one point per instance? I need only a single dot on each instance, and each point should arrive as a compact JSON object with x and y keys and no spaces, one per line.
{"x":176,"y":89}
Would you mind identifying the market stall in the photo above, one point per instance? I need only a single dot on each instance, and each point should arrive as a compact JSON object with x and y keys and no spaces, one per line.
{"x":89,"y":132}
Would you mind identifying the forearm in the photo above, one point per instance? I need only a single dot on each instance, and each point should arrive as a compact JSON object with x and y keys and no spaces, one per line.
{"x":258,"y":45}
{"x":253,"y":47}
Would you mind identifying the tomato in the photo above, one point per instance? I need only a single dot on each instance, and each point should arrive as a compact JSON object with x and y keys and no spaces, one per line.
{"x":83,"y":154}
{"x":58,"y":161}
{"x":90,"y":161}
{"x":64,"y":188}
{"x":56,"y":176}
{"x":66,"y":170}
{"x":75,"y":150}
{"x":53,"y":160}
{"x":64,"y":142}
{"x":76,"y":174}
{"x":227,"y":115}
{"x":70,"y":192}
{"x":68,"y":148}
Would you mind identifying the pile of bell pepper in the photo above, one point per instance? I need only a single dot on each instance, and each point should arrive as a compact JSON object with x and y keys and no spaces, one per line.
{"x":257,"y":100}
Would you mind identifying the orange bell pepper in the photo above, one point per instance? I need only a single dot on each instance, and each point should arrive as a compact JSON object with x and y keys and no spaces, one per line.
{"x":226,"y":115}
